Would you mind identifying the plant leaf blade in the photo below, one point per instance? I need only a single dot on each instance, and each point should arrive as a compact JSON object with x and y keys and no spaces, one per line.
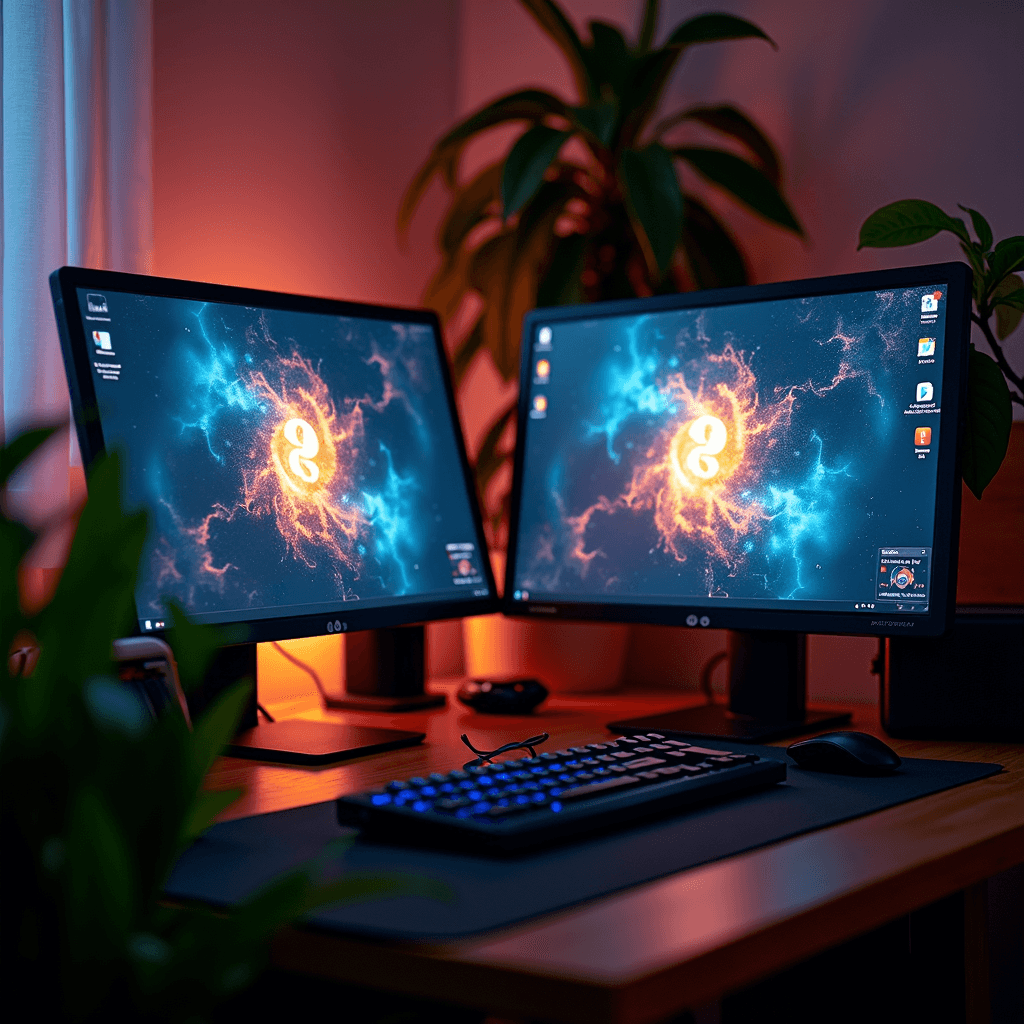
{"x":524,"y":168}
{"x":988,"y":421}
{"x":744,"y":181}
{"x":655,"y":203}
{"x":907,"y":222}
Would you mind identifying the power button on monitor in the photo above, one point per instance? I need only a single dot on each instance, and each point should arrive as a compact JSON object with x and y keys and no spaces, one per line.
{"x":691,"y":620}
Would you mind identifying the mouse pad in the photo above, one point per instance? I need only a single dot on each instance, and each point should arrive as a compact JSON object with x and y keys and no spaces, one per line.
{"x":233,"y":859}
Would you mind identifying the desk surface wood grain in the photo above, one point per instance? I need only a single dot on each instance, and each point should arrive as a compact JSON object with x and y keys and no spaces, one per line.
{"x":682,"y":941}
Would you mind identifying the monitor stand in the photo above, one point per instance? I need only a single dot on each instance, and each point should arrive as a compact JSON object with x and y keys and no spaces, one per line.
{"x":295,"y":741}
{"x":767,"y":696}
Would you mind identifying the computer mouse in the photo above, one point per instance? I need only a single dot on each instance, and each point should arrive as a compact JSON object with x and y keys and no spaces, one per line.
{"x":508,"y":697}
{"x":845,"y":753}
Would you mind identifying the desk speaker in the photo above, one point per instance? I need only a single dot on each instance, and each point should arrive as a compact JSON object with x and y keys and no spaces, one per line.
{"x":966,"y":685}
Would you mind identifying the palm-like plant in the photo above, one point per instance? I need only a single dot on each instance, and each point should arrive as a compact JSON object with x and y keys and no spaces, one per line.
{"x":587,"y":205}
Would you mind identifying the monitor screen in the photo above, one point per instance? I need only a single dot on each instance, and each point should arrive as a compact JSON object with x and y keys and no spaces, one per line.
{"x":781,"y":456}
{"x":300,"y":458}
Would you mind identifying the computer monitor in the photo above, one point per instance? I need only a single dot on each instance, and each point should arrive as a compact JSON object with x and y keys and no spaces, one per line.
{"x":777,"y":460}
{"x":300,"y":458}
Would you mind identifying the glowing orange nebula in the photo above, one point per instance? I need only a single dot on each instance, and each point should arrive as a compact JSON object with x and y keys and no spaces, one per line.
{"x":306,"y":454}
{"x":695,"y":476}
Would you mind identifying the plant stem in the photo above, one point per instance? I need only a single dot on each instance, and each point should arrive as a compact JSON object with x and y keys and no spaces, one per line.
{"x":997,"y":352}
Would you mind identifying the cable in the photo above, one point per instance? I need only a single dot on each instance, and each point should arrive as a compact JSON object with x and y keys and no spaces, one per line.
{"x":305,"y":668}
{"x":707,"y":671}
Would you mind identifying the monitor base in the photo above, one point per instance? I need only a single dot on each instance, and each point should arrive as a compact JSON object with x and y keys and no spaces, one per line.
{"x":716,"y":721}
{"x":303,"y":742}
{"x":373,"y":702}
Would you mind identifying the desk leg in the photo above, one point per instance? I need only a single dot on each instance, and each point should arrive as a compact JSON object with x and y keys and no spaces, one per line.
{"x":977,"y":988}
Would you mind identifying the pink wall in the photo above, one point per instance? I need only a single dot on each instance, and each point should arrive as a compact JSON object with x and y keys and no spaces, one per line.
{"x":285,"y":134}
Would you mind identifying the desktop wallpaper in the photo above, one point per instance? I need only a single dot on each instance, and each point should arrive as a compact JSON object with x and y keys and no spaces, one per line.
{"x":291,"y":461}
{"x":759,"y":452}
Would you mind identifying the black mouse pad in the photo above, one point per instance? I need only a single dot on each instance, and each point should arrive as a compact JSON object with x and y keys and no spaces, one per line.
{"x":233,"y":859}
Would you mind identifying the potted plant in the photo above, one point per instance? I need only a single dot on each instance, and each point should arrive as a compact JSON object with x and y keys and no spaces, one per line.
{"x":994,"y":387}
{"x":593,"y":201}
{"x":98,"y":798}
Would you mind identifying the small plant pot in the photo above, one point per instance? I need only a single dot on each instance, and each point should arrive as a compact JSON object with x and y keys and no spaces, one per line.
{"x":567,"y":657}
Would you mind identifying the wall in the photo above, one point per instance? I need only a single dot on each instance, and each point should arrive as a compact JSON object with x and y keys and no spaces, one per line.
{"x":285,"y":134}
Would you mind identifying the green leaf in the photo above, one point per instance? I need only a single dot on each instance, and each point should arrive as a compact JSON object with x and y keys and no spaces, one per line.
{"x":730,"y":121}
{"x":20,"y":448}
{"x":524,"y":169}
{"x":208,"y":805}
{"x":907,"y":222}
{"x":490,"y":273}
{"x":1008,"y":299}
{"x":524,"y":105}
{"x":744,"y":181}
{"x":655,"y":203}
{"x":981,"y":228}
{"x":609,"y":60}
{"x":648,"y":26}
{"x":213,"y":731}
{"x":597,"y":121}
{"x":988,"y":421}
{"x":555,"y":24}
{"x":650,"y":74}
{"x":714,"y":259}
{"x":560,"y":284}
{"x":1007,"y":257}
{"x":194,"y":645}
{"x":469,"y":207}
{"x":716,"y":28}
{"x":102,"y":877}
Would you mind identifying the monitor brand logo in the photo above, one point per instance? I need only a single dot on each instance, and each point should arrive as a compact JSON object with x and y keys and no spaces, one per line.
{"x":300,"y":459}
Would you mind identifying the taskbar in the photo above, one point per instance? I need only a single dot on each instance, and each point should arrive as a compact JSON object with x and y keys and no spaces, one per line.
{"x":534,"y":600}
{"x":233,"y":615}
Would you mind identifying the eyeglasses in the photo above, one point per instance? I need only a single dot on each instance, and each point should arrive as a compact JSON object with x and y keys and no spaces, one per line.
{"x":485,"y":756}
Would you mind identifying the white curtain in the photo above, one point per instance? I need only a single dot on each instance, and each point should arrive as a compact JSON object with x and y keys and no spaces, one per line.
{"x":77,"y":96}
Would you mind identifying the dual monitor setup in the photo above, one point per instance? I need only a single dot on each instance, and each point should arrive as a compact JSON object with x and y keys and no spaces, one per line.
{"x":773,"y":460}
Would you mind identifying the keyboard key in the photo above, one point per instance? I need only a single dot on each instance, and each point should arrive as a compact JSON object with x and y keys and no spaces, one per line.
{"x":597,"y":788}
{"x":644,"y":762}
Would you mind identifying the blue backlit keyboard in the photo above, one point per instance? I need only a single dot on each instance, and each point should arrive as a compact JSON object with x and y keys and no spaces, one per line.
{"x":514,"y":805}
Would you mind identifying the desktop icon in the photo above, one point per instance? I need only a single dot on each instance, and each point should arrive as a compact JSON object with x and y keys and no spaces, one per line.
{"x":902,"y":577}
{"x":930,"y":302}
{"x":96,"y":303}
{"x":543,"y":370}
{"x":540,"y":404}
{"x":923,"y":437}
{"x":544,"y":337}
{"x":925,"y":392}
{"x":101,"y":339}
{"x":925,"y":347}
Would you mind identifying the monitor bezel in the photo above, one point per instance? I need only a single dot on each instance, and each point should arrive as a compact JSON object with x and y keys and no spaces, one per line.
{"x":957,"y":277}
{"x":64,"y":284}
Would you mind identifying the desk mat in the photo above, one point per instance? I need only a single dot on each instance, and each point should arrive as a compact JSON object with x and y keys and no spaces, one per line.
{"x":233,"y":859}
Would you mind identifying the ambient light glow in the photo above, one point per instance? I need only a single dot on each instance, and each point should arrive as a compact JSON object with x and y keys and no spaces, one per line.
{"x":698,"y":478}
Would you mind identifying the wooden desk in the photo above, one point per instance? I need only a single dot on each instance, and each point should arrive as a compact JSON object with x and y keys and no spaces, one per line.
{"x":672,"y":944}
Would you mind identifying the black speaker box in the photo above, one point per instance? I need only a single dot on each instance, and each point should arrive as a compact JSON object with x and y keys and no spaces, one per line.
{"x":966,"y":685}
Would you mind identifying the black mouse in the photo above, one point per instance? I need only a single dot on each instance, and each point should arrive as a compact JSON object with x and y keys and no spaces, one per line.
{"x":511,"y":697}
{"x":845,"y":753}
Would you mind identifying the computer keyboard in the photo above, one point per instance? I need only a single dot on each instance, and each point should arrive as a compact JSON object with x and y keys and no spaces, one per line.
{"x":513,"y":805}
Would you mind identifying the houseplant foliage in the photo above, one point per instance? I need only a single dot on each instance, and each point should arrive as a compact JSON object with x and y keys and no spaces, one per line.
{"x":98,"y":800}
{"x":993,"y":387}
{"x":588,"y":204}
